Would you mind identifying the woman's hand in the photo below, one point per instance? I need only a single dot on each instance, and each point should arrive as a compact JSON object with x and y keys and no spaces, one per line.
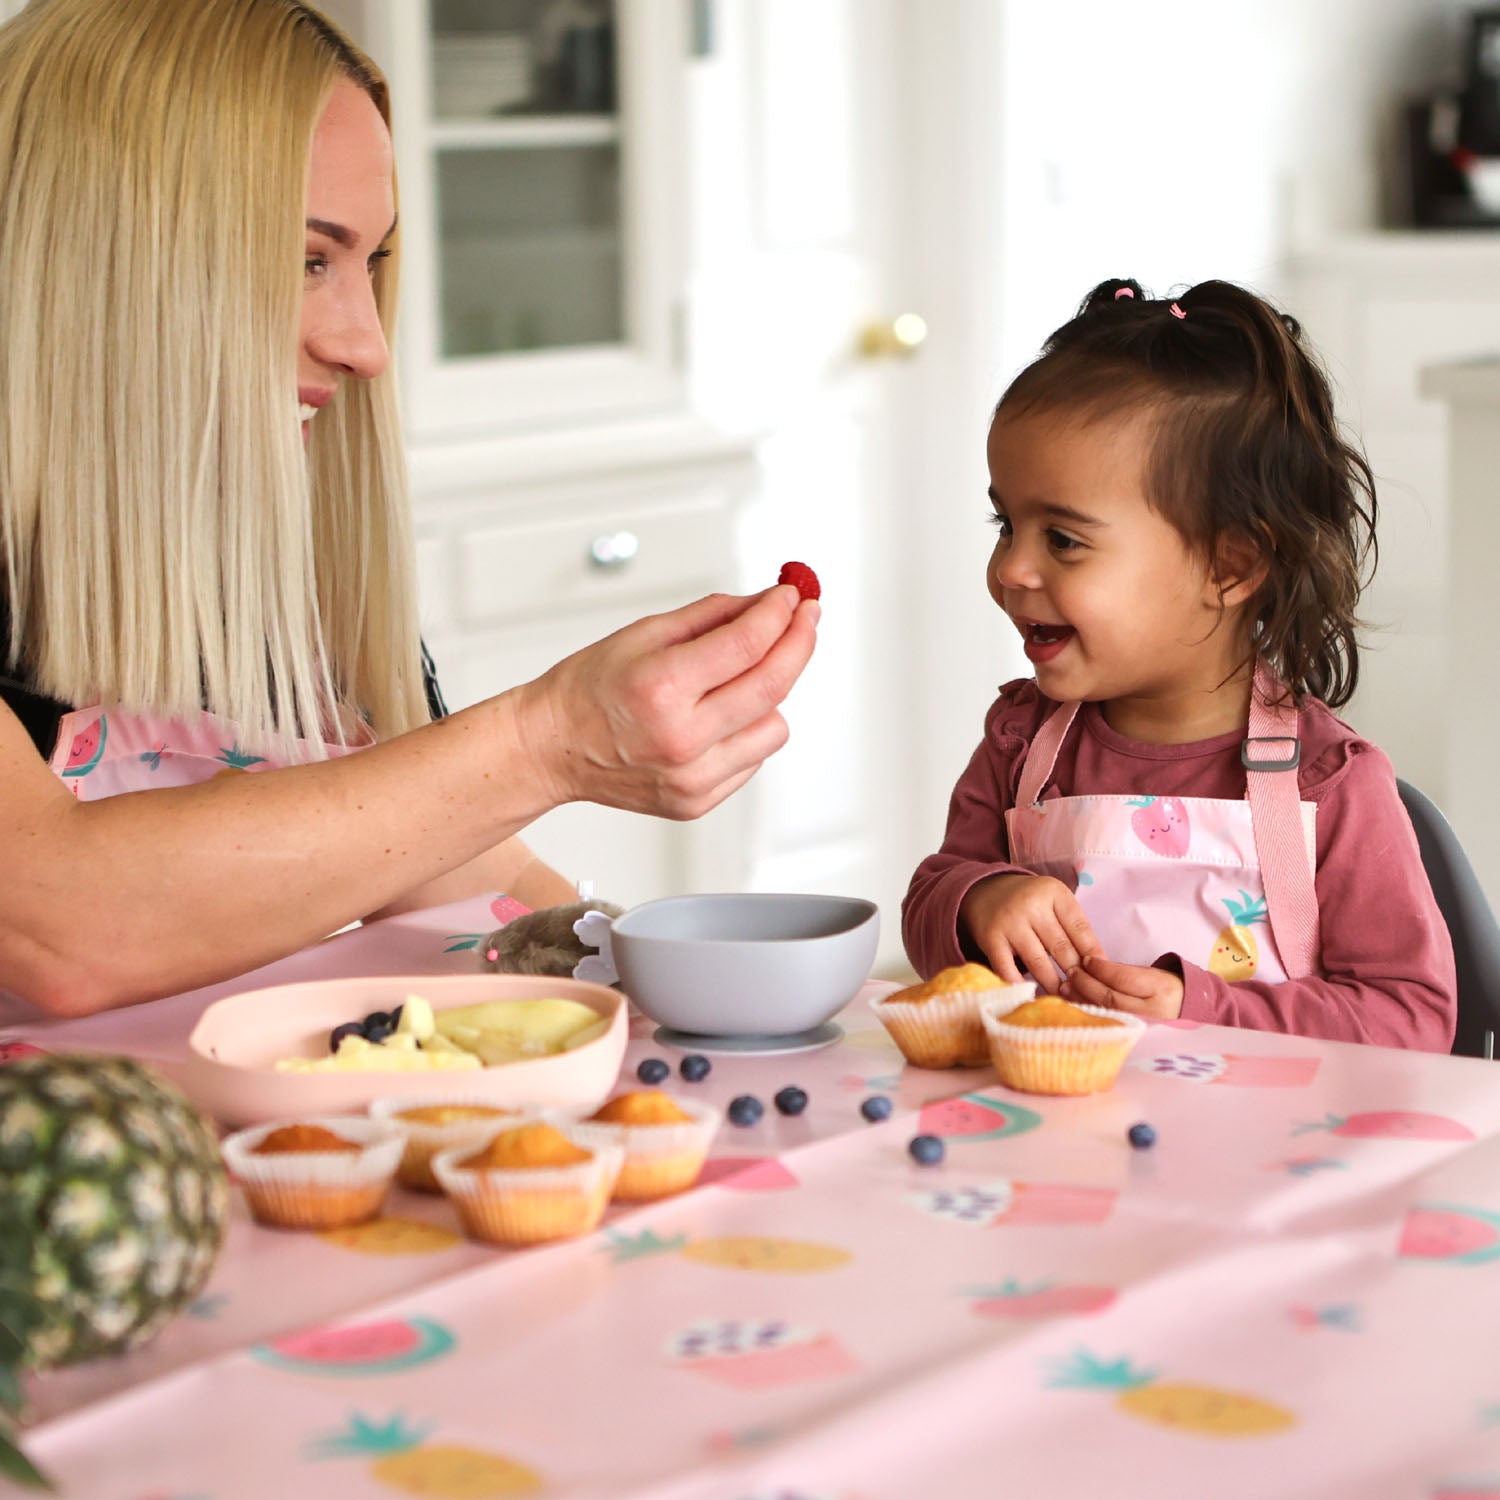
{"x":674,"y":712}
{"x":1027,"y":919}
{"x":1153,"y":993}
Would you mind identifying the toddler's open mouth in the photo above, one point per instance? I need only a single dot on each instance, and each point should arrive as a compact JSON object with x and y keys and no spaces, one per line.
{"x":1043,"y":642}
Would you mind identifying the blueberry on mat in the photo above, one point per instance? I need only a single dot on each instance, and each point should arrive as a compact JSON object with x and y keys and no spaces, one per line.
{"x":745,"y":1110}
{"x":652,"y":1070}
{"x":876,"y":1107}
{"x":1142,"y":1136}
{"x":349,"y":1028}
{"x":926,"y":1149}
{"x":791,"y":1100}
{"x":694,"y":1067}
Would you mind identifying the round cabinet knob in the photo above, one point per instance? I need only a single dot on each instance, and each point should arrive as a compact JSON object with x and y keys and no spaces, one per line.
{"x":903,"y":335}
{"x":612,"y":550}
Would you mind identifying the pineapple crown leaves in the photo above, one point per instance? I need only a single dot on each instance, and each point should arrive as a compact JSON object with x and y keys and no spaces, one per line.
{"x":19,"y":1313}
{"x":1082,"y":1371}
{"x":364,"y":1437}
{"x":623,"y":1247}
{"x":1246,"y":910}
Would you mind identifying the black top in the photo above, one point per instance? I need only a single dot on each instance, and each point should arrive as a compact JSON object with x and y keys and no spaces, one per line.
{"x":41,"y":715}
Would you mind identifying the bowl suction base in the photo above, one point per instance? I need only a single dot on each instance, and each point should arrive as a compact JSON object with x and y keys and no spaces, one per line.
{"x":765,"y":1046}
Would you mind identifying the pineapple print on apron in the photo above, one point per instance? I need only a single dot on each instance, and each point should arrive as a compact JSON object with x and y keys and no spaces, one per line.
{"x":101,"y":752}
{"x":1157,"y":875}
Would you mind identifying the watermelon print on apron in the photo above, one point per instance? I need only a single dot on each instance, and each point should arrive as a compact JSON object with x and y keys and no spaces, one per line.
{"x":101,"y":752}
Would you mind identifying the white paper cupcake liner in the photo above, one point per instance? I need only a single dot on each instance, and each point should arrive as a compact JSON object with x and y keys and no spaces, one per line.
{"x":529,"y":1205}
{"x":1059,"y":1059}
{"x":658,"y":1159}
{"x":945,"y":1031}
{"x":425,"y":1140}
{"x":316,"y":1189}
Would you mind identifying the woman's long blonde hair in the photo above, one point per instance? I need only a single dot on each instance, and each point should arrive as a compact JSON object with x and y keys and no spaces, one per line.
{"x":168,"y":542}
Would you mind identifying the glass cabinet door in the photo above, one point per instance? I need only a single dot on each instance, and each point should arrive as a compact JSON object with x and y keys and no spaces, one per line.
{"x":541,"y":177}
{"x":526,"y":161}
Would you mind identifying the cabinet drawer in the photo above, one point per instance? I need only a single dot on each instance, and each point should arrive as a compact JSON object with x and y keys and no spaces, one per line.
{"x":531,"y":569}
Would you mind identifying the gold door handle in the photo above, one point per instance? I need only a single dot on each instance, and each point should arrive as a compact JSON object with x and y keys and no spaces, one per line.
{"x":903,"y":335}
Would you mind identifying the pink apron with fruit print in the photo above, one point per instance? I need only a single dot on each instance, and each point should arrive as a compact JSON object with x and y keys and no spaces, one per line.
{"x":101,"y":752}
{"x":1158,"y":875}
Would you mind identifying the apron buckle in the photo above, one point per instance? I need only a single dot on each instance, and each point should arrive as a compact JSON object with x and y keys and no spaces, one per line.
{"x":1286,"y":763}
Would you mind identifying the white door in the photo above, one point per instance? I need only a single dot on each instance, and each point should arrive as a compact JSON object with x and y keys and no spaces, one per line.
{"x":815,"y":124}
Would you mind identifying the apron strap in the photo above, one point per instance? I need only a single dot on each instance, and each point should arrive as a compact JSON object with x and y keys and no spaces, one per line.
{"x":1042,"y":756}
{"x":1271,"y":754}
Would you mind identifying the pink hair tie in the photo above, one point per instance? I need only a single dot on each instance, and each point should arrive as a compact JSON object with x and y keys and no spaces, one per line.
{"x":1124,"y":291}
{"x":1176,"y":311}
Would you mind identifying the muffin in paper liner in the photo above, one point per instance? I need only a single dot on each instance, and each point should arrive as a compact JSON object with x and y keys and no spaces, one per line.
{"x":1059,"y":1059}
{"x":659,"y":1159}
{"x":531,"y":1205}
{"x":425,"y":1138}
{"x":316,"y":1189}
{"x":945,"y":1031}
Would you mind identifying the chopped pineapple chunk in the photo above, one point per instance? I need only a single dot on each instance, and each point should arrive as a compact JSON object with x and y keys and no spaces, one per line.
{"x":530,"y":1027}
{"x":416,"y":1018}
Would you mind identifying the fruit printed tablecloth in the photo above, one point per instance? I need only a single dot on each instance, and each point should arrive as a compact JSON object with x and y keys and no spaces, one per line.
{"x":1294,"y":1293}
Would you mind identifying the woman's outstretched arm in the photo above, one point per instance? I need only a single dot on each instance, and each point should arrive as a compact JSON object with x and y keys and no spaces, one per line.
{"x":108,"y":903}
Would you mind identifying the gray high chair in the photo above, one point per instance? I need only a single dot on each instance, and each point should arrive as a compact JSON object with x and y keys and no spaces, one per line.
{"x":1471,"y":923}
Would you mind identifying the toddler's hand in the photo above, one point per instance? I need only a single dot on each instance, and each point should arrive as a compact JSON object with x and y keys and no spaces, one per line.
{"x":1154,"y":993}
{"x":1032,"y":919}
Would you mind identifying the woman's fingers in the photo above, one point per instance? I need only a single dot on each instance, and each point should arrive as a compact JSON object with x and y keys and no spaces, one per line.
{"x":737,"y":644}
{"x":757,"y":691}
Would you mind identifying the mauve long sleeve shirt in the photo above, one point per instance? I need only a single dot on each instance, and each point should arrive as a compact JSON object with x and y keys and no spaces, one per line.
{"x":1386,"y":971}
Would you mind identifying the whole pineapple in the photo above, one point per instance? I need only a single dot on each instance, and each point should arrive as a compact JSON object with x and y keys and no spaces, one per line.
{"x":113,"y":1202}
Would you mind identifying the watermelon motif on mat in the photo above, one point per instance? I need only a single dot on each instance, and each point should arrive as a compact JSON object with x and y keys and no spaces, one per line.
{"x":973,"y":1117}
{"x":1450,"y":1232}
{"x":363,"y":1349}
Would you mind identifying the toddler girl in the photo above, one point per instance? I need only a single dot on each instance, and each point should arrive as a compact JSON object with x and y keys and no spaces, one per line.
{"x":1169,"y":819}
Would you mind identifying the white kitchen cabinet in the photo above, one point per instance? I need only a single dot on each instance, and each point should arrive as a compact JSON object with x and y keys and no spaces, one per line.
{"x":1381,"y":307}
{"x":1470,"y":726}
{"x":543,"y":232}
{"x":528,"y":550}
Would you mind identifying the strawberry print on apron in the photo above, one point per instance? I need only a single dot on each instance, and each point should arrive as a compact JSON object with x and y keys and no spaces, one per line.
{"x":1158,"y":875}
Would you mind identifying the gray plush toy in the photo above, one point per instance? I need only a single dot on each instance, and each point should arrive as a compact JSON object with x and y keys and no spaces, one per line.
{"x":542,"y":942}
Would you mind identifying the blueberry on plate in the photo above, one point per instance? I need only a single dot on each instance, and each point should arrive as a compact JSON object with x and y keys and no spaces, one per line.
{"x":791,"y":1100}
{"x":745,"y":1110}
{"x":377,"y":1032}
{"x":876,"y":1107}
{"x":349,"y":1028}
{"x":694,"y":1067}
{"x":652,"y":1070}
{"x":926,"y":1149}
{"x":380,"y":1018}
{"x":1142,"y":1136}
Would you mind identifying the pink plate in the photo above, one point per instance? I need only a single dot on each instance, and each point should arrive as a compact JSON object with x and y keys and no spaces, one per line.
{"x":230,"y":1071}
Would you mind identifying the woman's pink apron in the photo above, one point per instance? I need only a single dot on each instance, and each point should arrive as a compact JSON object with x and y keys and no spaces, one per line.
{"x":1224,"y":884}
{"x":101,"y":752}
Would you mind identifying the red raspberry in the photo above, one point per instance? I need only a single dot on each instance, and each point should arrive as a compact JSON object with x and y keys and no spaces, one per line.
{"x":804,"y":578}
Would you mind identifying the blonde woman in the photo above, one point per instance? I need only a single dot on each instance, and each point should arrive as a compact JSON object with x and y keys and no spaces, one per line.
{"x":206,"y":550}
